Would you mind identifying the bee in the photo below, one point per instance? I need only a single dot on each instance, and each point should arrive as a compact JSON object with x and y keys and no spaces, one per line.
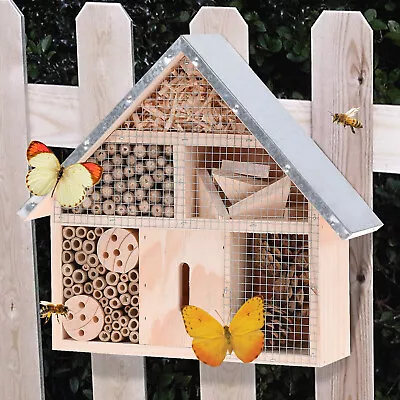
{"x":46,"y":309}
{"x":347,"y":119}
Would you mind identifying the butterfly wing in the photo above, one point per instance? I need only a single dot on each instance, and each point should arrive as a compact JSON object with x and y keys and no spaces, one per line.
{"x":246,"y":336}
{"x":352,"y":112}
{"x":209,"y":342}
{"x":42,"y":179}
{"x":71,"y":190}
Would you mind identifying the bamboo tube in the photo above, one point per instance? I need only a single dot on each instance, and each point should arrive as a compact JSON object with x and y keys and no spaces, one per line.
{"x":67,"y":292}
{"x":168,"y":185}
{"x":89,"y":246}
{"x":128,"y":197}
{"x":161,"y":161}
{"x":93,"y":260}
{"x":77,"y":289}
{"x":133,"y":312}
{"x":68,"y":232}
{"x":133,"y":288}
{"x":129,"y":171}
{"x":122,"y":287}
{"x":68,"y":281}
{"x":107,"y":319}
{"x":135,"y":301}
{"x":125,"y":332}
{"x":93,"y":273}
{"x":157,"y":210}
{"x":107,"y":327}
{"x":133,"y":324}
{"x":139,"y":151}
{"x":121,"y":209}
{"x":117,"y":173}
{"x":80,"y":257}
{"x":123,"y":320}
{"x":124,"y":149}
{"x":96,"y":209}
{"x":104,"y":301}
{"x":116,"y":336}
{"x":104,"y":336}
{"x":154,"y":196}
{"x":117,"y":198}
{"x":108,"y":310}
{"x":134,"y":337}
{"x":169,"y":169}
{"x":150,"y":165}
{"x":144,"y":206}
{"x":111,"y":148}
{"x":68,"y":269}
{"x":116,"y":326}
{"x":91,"y":235}
{"x":79,"y":276}
{"x":107,"y":191}
{"x":108,"y":207}
{"x":127,"y":308}
{"x":66,"y":245}
{"x":99,"y":283}
{"x":88,"y":288}
{"x":124,"y":277}
{"x":108,"y":178}
{"x":169,"y":212}
{"x":115,"y":303}
{"x":97,"y":294}
{"x":132,"y":209}
{"x":112,"y":278}
{"x":120,"y":186}
{"x":101,"y":269}
{"x":87,"y":203}
{"x":67,"y":256}
{"x":125,"y":299}
{"x":133,"y":275}
{"x":116,"y":314}
{"x":107,"y":166}
{"x":110,"y":292}
{"x":168,"y":199}
{"x":76,"y":244}
{"x":98,"y":231}
{"x":100,"y":155}
{"x":81,"y":232}
{"x":158,"y":175}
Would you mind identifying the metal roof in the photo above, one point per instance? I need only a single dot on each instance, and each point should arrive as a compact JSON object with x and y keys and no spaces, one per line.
{"x":264,"y":116}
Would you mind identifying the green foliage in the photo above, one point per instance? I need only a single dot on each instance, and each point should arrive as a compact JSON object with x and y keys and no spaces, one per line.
{"x":279,"y":36}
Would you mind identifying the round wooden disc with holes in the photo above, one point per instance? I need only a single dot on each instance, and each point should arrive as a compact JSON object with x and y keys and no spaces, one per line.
{"x":85,"y":318}
{"x":118,"y":249}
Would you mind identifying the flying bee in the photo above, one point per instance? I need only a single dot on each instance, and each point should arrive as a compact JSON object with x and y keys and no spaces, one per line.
{"x":347,"y":119}
{"x":47,"y":309}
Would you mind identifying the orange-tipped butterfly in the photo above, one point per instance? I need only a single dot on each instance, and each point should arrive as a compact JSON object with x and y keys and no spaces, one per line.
{"x":68,"y":184}
{"x":211,"y":340}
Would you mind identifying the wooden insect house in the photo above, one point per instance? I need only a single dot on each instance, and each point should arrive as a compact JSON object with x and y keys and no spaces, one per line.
{"x":211,"y":194}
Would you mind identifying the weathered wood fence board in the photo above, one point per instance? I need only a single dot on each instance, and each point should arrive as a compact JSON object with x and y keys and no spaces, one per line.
{"x":105,"y":66}
{"x":341,"y":79}
{"x":20,"y":377}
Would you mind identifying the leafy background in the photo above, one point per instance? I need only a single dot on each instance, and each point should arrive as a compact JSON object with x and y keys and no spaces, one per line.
{"x":280,"y":54}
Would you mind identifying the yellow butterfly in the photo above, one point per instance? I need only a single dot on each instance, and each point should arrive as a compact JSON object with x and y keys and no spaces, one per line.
{"x":211,"y":340}
{"x":68,"y":183}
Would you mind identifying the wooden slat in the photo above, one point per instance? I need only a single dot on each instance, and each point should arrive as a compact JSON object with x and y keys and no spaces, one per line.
{"x":341,"y":79}
{"x":218,"y":383}
{"x":19,"y":344}
{"x":105,"y":66}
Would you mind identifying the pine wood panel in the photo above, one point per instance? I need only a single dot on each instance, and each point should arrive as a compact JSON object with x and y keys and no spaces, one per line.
{"x":105,"y":67}
{"x":19,"y":345}
{"x":341,"y":79}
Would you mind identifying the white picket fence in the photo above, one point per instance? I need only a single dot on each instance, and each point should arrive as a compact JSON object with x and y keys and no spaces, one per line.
{"x":63,"y":116}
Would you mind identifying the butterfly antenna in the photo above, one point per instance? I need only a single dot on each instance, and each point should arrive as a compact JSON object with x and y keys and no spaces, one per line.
{"x":219,"y":315}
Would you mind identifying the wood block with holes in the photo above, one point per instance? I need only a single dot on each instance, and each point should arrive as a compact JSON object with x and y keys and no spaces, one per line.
{"x":118,"y":249}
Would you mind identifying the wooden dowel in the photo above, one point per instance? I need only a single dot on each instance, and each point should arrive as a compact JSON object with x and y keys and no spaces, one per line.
{"x":93,"y":260}
{"x":67,"y":257}
{"x":150,"y":165}
{"x":68,"y":232}
{"x":121,"y":209}
{"x":107,"y":179}
{"x":67,"y":292}
{"x":117,"y":159}
{"x":157,"y":210}
{"x":144,"y":207}
{"x":76,"y":244}
{"x":135,"y":301}
{"x":104,"y":336}
{"x":139,"y":151}
{"x":124,"y":149}
{"x":96,"y":209}
{"x":158,"y":175}
{"x":133,"y":324}
{"x":108,"y":207}
{"x":132,"y":209}
{"x":139,"y":168}
{"x":132,"y":184}
{"x":116,"y":336}
{"x":129,"y":171}
{"x":97,"y":294}
{"x":87,"y":203}
{"x":111,"y":148}
{"x":168,"y":151}
{"x":154,"y":196}
{"x":140,"y":194}
{"x":107,"y":166}
{"x":81,"y":232}
{"x":101,"y":269}
{"x":128,"y":197}
{"x":104,"y":301}
{"x":169,"y":212}
{"x":88,"y":288}
{"x":168,"y":185}
{"x":89,"y":246}
{"x":169,"y":169}
{"x":161,"y":161}
{"x":116,"y":314}
{"x":117,"y":173}
{"x":120,"y":186}
{"x":115,"y":303}
{"x":131,"y":159}
{"x":68,"y":269}
{"x":80,"y":257}
{"x":79,"y":276}
{"x":107,"y":191}
{"x":100,"y":155}
{"x":168,"y":199}
{"x":66,"y":245}
{"x":93,"y":273}
{"x":77,"y":289}
{"x":133,"y":312}
{"x":110,"y":292}
{"x":99,"y":283}
{"x":133,"y":275}
{"x":122,"y":287}
{"x":153,"y":151}
{"x":125,"y":298}
{"x":68,"y":281}
{"x":112,"y":278}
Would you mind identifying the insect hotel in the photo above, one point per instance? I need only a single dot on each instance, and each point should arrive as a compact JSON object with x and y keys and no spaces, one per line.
{"x":211,"y":194}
